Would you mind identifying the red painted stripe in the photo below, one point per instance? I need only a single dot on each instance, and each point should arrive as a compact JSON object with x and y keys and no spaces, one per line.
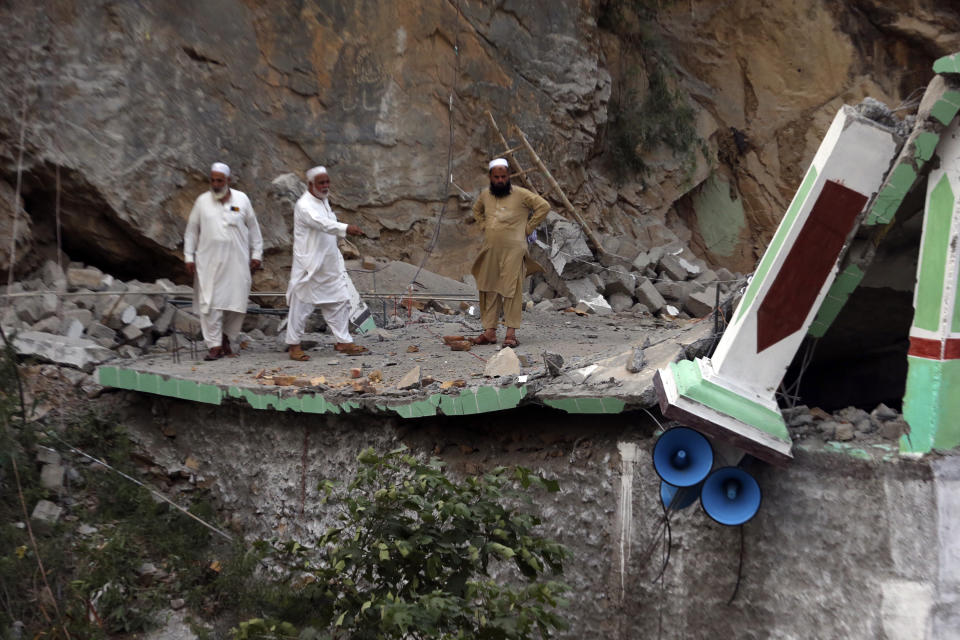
{"x":790,"y":298}
{"x":935,"y":349}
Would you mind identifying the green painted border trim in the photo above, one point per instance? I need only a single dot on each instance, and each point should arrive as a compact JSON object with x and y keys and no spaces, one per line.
{"x":691,"y":385}
{"x":924,"y":145}
{"x":891,"y":195}
{"x":587,"y":405}
{"x":945,"y":109}
{"x":367,"y":326}
{"x":845,"y":284}
{"x":933,"y":258}
{"x":947,"y":64}
{"x":850,"y":450}
{"x":778,"y":239}
{"x":931,"y":405}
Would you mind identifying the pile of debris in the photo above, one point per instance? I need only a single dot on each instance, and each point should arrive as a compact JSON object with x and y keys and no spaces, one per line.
{"x":666,"y":280}
{"x":82,"y":317}
{"x":847,"y":424}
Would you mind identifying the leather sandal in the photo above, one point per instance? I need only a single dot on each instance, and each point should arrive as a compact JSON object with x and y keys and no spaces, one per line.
{"x":350,"y":348}
{"x":296,"y":353}
{"x":215,"y":354}
{"x":483,"y":339}
{"x":511,"y":342}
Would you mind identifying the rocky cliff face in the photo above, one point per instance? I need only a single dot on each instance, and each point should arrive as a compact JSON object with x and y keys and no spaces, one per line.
{"x":130,"y":102}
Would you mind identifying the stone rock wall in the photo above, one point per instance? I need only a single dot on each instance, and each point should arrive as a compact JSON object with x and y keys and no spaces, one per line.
{"x":133,"y":102}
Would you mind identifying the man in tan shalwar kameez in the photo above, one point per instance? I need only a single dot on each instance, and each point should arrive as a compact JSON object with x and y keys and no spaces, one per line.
{"x":507,"y":215}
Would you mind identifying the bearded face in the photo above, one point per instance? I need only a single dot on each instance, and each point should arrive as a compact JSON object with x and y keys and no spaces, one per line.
{"x":219,"y":186}
{"x":499,"y":182}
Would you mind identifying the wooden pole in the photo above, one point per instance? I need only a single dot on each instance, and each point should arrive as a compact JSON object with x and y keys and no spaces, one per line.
{"x":553,"y":183}
{"x":509,"y":152}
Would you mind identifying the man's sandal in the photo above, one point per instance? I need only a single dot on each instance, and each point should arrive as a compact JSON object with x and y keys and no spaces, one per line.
{"x":215,"y":354}
{"x":482,"y":339}
{"x":513,"y":343}
{"x":350,"y":348}
{"x":296,"y":353}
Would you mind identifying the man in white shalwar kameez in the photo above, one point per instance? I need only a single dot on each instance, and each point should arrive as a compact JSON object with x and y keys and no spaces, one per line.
{"x":318,"y":277}
{"x":222,"y":247}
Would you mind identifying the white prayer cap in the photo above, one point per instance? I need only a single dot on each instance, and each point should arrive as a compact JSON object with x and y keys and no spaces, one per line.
{"x":219,"y":167}
{"x":498,"y":162}
{"x":313,"y":173}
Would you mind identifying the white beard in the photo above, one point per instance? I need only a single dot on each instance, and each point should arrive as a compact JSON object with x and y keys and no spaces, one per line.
{"x":219,"y":194}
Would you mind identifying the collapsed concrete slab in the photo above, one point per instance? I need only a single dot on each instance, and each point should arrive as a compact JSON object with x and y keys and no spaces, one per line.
{"x":75,"y":352}
{"x":731,"y":395}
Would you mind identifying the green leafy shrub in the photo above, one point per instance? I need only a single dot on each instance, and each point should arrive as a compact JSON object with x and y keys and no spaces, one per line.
{"x":418,"y":554}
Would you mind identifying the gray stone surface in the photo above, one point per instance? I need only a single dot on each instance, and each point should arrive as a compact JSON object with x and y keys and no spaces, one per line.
{"x":503,"y":363}
{"x":75,"y":352}
{"x":672,"y":267}
{"x":646,"y":294}
{"x":570,"y":255}
{"x":410,"y":380}
{"x":53,"y":276}
{"x":620,"y":302}
{"x":45,"y":515}
{"x":701,"y":303}
{"x":88,"y":278}
{"x":51,"y":477}
{"x":581,"y":289}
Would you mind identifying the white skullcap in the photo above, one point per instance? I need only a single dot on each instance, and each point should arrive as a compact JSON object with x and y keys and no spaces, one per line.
{"x":498,"y":162}
{"x":313,"y":173}
{"x":219,"y":167}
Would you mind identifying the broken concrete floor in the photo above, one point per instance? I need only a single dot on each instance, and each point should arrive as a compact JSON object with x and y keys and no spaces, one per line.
{"x":594,"y":378}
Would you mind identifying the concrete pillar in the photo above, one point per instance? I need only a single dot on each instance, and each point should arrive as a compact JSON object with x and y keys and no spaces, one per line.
{"x":931,"y":402}
{"x":731,"y":396}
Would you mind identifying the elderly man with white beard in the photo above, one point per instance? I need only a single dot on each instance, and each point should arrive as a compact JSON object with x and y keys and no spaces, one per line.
{"x":317,"y":276}
{"x":222,"y":247}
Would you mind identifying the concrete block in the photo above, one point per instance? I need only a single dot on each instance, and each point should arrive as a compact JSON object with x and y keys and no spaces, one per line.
{"x":71,"y":328}
{"x":45,"y":515}
{"x":677,"y":291}
{"x":186,"y":322}
{"x":10,"y":319}
{"x":701,"y":303}
{"x":75,"y":352}
{"x":620,"y":302}
{"x":51,"y":476}
{"x":545,"y":306}
{"x":597,"y":305}
{"x":569,"y":254}
{"x":130,"y":332}
{"x":29,"y":309}
{"x":84,"y":302}
{"x":50,"y":324}
{"x":162,"y":323}
{"x":543,"y":291}
{"x":46,"y":455}
{"x":581,"y":289}
{"x":410,"y":380}
{"x":53,"y":276}
{"x":82,"y":316}
{"x":615,"y":281}
{"x":101,"y":334}
{"x":103,"y":306}
{"x":647,"y":295}
{"x":671,"y":266}
{"x":142,"y":322}
{"x":88,"y":278}
{"x":709,"y":276}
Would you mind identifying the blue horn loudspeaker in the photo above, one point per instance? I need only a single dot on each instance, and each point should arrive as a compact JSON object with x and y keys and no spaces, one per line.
{"x":682,"y":457}
{"x":731,"y":496}
{"x":677,"y":498}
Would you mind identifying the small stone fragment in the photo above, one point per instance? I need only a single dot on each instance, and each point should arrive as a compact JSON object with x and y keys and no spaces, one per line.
{"x":284,"y":381}
{"x":411,"y":380}
{"x":504,"y":363}
{"x":356,"y":372}
{"x":637,"y":361}
{"x":449,"y":384}
{"x":553,"y":363}
{"x":413,"y":348}
{"x":375,"y":376}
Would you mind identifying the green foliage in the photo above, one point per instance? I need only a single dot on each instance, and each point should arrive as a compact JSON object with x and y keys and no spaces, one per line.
{"x":417,"y":554}
{"x":662,"y":117}
{"x":94,"y":579}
